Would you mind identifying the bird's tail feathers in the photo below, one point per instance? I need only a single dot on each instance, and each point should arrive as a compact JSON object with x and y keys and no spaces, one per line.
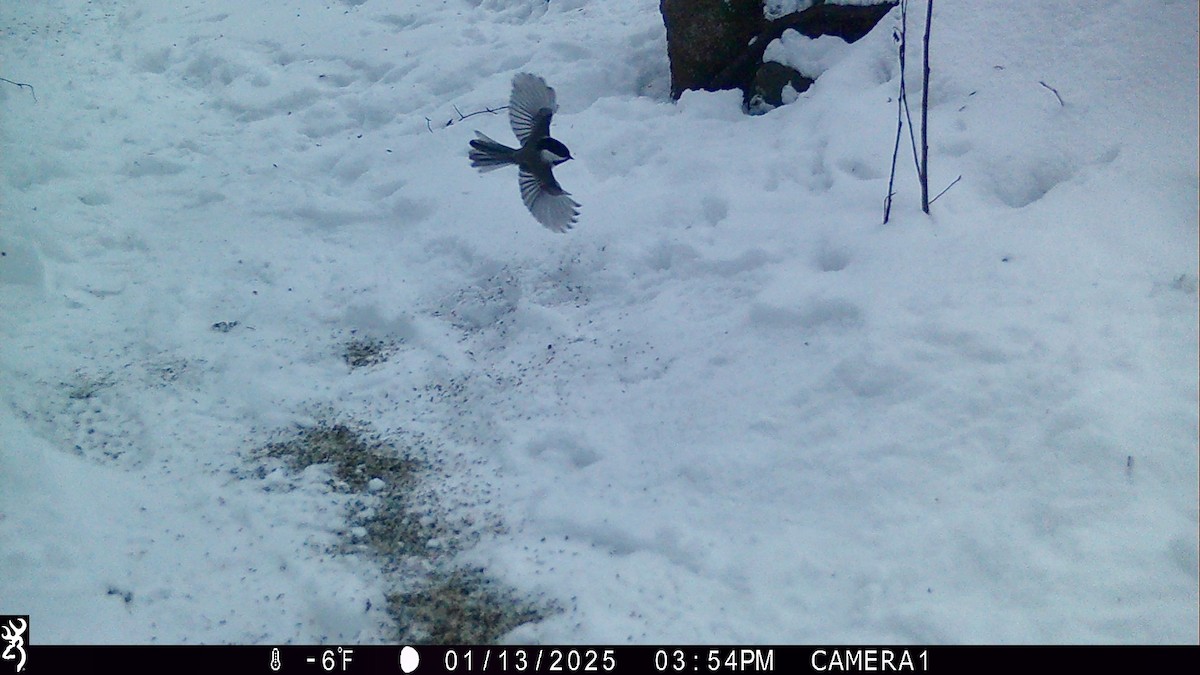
{"x":488,"y":155}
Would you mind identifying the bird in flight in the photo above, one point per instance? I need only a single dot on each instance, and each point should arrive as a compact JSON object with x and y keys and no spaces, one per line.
{"x":530,"y":109}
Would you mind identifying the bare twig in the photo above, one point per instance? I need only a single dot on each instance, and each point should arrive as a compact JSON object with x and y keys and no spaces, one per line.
{"x":1060,"y":101}
{"x":923,"y":169}
{"x":22,"y":85}
{"x":912,"y":133}
{"x":887,"y":203}
{"x":462,"y":117}
{"x":931,"y":201}
{"x":898,"y":36}
{"x":903,"y":112}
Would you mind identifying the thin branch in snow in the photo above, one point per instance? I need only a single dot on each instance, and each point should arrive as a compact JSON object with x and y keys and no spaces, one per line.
{"x":22,"y":85}
{"x":923,"y":165}
{"x":461,"y":116}
{"x":898,"y":36}
{"x":1060,"y":101}
{"x":952,"y":183}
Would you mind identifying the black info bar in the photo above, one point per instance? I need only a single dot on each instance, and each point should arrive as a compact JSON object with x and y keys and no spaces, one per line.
{"x":697,"y":660}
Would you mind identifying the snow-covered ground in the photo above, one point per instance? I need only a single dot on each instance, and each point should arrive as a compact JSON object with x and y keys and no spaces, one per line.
{"x":729,"y":406}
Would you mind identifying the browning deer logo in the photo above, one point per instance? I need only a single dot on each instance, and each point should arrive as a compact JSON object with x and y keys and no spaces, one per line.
{"x":14,"y":636}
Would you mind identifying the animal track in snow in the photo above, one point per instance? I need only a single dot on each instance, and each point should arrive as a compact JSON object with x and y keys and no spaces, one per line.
{"x":563,"y":446}
{"x":150,"y":166}
{"x":809,"y":315}
{"x":830,"y":259}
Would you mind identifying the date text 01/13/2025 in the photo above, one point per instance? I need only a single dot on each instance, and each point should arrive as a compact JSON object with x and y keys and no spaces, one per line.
{"x":520,"y":660}
{"x":584,"y":660}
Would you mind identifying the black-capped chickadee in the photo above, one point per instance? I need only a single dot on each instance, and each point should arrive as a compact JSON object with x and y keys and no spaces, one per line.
{"x":530,"y":108}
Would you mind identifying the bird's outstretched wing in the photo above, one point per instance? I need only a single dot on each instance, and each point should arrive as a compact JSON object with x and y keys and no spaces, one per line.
{"x":530,"y":107}
{"x":551,"y":205}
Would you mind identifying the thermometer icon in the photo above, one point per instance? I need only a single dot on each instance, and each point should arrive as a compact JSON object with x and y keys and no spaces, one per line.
{"x":275,"y":658}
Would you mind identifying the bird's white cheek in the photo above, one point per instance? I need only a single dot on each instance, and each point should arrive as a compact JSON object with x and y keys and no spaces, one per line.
{"x":551,"y":158}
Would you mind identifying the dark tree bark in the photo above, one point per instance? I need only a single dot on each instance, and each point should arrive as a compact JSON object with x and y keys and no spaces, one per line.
{"x":703,"y":36}
{"x":719,"y":44}
{"x":849,"y":22}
